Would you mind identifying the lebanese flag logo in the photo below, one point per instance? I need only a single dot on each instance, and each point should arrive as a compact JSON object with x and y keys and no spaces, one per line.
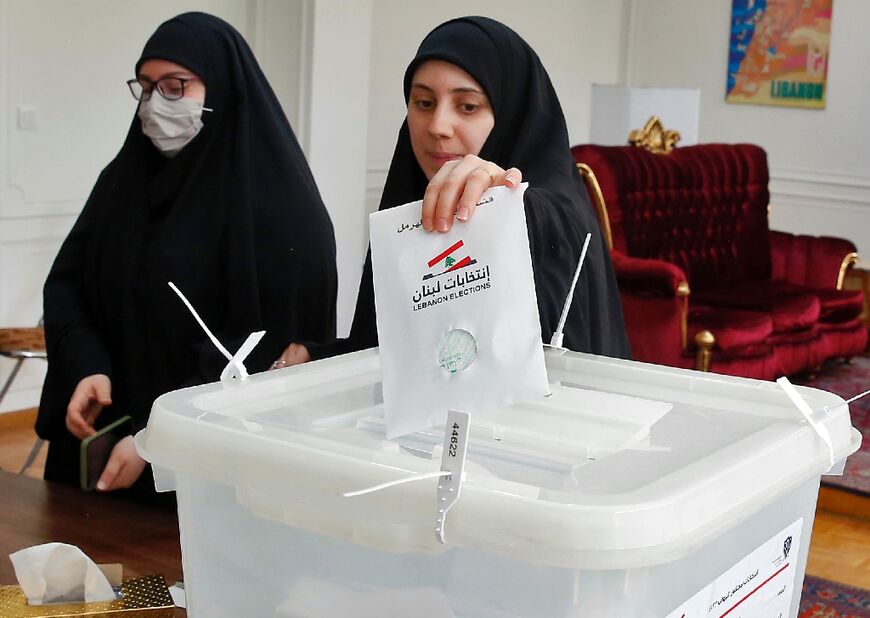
{"x":448,"y":261}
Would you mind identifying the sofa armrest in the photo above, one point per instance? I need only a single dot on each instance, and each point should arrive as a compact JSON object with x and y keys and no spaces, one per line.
{"x":655,"y":305}
{"x":817,"y":262}
{"x":649,"y":277}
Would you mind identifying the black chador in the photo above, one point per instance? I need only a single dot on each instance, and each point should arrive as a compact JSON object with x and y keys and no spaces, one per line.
{"x":234,"y":219}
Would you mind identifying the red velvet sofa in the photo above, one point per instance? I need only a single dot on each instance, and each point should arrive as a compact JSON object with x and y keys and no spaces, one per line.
{"x":704,"y":282}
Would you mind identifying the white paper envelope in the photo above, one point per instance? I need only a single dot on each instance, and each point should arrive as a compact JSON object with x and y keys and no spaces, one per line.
{"x":457,"y":313}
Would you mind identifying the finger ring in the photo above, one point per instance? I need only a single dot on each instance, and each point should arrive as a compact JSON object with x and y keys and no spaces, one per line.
{"x":279,"y":363}
{"x":491,"y":177}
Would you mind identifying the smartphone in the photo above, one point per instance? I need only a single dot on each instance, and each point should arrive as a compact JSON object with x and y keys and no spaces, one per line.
{"x":96,"y":449}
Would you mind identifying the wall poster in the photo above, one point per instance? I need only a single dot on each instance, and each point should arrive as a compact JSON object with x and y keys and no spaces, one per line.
{"x":778,"y":53}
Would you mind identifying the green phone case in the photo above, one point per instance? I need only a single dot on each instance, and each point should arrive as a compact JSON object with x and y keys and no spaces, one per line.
{"x":83,"y":452}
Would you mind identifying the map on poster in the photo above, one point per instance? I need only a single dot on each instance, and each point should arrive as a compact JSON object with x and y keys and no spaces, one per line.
{"x":778,"y":54}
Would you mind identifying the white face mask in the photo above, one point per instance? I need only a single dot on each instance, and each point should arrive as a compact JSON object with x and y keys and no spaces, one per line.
{"x":170,"y":125}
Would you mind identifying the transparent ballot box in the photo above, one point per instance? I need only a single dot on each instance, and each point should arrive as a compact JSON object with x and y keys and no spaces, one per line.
{"x":632,"y":490}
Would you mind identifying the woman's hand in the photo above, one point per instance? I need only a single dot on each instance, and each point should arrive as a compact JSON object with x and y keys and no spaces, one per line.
{"x":456,"y":189}
{"x":124,"y":467}
{"x":91,"y":395}
{"x":295,"y":354}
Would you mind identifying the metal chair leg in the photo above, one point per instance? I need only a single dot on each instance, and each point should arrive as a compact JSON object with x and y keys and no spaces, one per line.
{"x":11,"y":377}
{"x":33,"y":349}
{"x":34,"y":452}
{"x":37,"y":446}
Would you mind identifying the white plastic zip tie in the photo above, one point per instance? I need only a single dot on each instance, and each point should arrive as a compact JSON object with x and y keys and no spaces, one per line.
{"x":846,"y":403}
{"x":452,"y":470}
{"x":802,"y":405}
{"x":407,"y":479}
{"x":235,"y":368}
{"x":856,"y":397}
{"x":214,"y":339}
{"x":452,"y":461}
{"x":556,"y":340}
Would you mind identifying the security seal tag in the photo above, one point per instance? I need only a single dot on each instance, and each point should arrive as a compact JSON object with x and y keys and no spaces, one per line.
{"x":453,"y":462}
{"x":235,"y":369}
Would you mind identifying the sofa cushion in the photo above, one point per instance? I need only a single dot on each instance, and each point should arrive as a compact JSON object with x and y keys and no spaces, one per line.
{"x":798,"y":350}
{"x":790,"y":307}
{"x":844,"y":339}
{"x":737,"y":332}
{"x":839,"y":305}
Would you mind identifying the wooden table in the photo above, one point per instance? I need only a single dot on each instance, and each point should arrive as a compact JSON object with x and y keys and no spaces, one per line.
{"x":143,"y":539}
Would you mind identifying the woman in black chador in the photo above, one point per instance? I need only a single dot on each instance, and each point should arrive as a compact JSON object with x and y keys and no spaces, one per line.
{"x":482,"y":112}
{"x":211,"y":191}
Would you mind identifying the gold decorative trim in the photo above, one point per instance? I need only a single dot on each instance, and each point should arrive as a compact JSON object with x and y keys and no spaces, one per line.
{"x":848,"y":262}
{"x":683,"y":292}
{"x":705,"y":341}
{"x":143,"y":597}
{"x":598,"y":200}
{"x":654,"y":137}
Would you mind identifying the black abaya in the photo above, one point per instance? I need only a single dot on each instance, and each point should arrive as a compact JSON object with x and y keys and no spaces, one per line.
{"x":530,"y":134}
{"x":234,"y":219}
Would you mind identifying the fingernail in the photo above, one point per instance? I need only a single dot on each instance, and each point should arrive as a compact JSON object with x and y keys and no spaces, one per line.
{"x":511,"y":179}
{"x":442,"y":226}
{"x":101,"y":486}
{"x":462,"y":213}
{"x":427,"y":225}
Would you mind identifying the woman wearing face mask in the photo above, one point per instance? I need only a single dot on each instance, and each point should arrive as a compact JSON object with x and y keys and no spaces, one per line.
{"x":211,"y":191}
{"x":482,"y":112}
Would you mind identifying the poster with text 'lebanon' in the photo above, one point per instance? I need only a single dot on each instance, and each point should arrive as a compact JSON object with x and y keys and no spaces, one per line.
{"x":457,"y":313}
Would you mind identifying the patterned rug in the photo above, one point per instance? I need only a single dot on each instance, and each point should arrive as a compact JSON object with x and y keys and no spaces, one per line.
{"x":848,"y":381}
{"x":825,"y":599}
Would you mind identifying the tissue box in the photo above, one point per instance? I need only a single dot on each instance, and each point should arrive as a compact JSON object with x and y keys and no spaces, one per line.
{"x":141,"y":597}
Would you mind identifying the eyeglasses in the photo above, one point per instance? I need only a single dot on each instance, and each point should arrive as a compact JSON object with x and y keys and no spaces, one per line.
{"x":171,"y":88}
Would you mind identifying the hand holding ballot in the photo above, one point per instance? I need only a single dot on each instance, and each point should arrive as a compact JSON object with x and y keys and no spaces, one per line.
{"x":455,"y":191}
{"x":457,"y":316}
{"x":457,"y":187}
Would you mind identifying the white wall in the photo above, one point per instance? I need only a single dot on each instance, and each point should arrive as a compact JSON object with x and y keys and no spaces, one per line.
{"x":68,"y":61}
{"x":819,"y":159}
{"x":336,"y":131}
{"x":578,"y":41}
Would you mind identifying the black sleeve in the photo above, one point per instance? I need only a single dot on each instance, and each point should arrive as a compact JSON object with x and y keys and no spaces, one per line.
{"x":289,"y":294}
{"x":557,"y":230}
{"x":75,"y":347}
{"x":363,"y":330}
